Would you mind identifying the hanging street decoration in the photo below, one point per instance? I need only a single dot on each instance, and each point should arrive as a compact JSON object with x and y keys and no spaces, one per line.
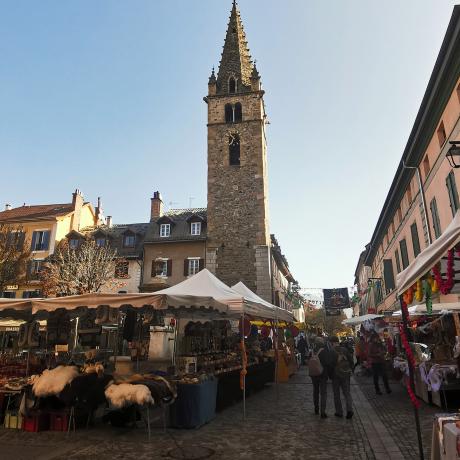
{"x":336,"y":298}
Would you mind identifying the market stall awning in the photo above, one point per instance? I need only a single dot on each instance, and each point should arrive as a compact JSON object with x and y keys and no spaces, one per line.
{"x":15,"y":304}
{"x":360,"y":319}
{"x":429,"y":256}
{"x":280,"y":313}
{"x":94,"y":300}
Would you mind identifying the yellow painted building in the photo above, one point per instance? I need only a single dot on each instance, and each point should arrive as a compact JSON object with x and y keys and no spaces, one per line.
{"x":44,"y":226}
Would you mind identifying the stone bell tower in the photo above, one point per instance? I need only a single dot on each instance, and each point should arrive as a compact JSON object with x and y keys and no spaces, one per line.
{"x":238,"y":245}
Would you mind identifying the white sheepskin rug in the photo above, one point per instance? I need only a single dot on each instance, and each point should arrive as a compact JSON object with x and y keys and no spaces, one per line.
{"x":126,"y":394}
{"x":52,"y":382}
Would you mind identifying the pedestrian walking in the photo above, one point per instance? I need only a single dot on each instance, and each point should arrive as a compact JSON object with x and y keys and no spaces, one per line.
{"x":341,"y":380}
{"x":360,"y":351}
{"x":320,"y":368}
{"x":302,"y":348}
{"x":377,"y":354}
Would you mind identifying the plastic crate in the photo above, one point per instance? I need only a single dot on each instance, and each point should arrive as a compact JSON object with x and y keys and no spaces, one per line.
{"x":59,"y":421}
{"x":13,"y":421}
{"x":39,"y":421}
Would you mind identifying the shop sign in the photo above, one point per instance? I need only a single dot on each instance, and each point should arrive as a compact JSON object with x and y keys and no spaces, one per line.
{"x":13,"y":287}
{"x":336,"y":298}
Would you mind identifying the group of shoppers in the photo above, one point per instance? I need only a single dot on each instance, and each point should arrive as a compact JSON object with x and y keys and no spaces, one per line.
{"x":333,"y":360}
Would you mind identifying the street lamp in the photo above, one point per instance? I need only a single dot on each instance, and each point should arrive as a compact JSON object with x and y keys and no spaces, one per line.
{"x":454,"y":151}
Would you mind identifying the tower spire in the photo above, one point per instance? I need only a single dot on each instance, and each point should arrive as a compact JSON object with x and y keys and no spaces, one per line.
{"x":236,"y":60}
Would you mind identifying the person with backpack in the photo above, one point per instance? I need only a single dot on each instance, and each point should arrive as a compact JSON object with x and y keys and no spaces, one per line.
{"x":377,"y":353}
{"x":320,"y":368}
{"x":341,"y":381}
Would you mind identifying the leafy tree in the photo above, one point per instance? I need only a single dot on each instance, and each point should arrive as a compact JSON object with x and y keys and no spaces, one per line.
{"x":14,"y":256}
{"x":82,"y":270}
{"x":331,"y":325}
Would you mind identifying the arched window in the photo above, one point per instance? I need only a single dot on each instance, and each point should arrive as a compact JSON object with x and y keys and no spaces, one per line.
{"x":228,"y":113}
{"x":234,"y":149}
{"x":238,"y":112}
{"x":232,"y":85}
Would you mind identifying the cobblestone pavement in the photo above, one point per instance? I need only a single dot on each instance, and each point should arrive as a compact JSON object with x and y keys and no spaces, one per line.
{"x":397,"y":414}
{"x":280,"y":424}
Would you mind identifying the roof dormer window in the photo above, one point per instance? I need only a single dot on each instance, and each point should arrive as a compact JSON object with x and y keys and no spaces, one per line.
{"x":165,"y":230}
{"x":129,"y":240}
{"x":100,"y":242}
{"x":195,"y":228}
{"x":74,"y":243}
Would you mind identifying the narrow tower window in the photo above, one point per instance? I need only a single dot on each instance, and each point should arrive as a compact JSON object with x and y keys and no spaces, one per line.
{"x":232,"y":85}
{"x":228,"y":113}
{"x":238,"y":112}
{"x":234,"y":149}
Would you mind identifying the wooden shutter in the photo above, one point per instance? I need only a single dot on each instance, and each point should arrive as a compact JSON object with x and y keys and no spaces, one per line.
{"x":388,"y":275}
{"x":34,"y":239}
{"x":201,"y":264}
{"x":404,"y":255}
{"x":186,"y":267}
{"x":415,"y":240}
{"x":46,"y":241}
{"x":453,"y":194}
{"x":398,"y":263}
{"x":169,"y":267}
{"x":154,"y":272}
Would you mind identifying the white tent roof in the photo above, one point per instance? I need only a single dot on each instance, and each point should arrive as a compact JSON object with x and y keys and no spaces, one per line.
{"x":430,"y":256}
{"x":204,"y":283}
{"x":360,"y":319}
{"x":420,"y":309}
{"x":242,"y":289}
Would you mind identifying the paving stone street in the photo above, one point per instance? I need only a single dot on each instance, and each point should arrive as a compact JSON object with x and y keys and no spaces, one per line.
{"x":280,"y":423}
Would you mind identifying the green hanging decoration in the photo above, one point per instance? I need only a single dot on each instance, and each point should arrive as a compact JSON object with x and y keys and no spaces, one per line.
{"x":428,"y":301}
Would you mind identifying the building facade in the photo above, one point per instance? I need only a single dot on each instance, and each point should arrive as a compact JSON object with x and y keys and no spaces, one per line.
{"x":423,"y":197}
{"x":43,"y":227}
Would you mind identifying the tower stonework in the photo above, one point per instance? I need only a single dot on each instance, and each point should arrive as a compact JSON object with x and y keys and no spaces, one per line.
{"x":238,"y":244}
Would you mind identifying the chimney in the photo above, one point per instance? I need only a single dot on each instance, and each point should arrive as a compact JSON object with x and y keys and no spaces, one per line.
{"x":156,"y":208}
{"x":77,"y":204}
{"x":109,"y":221}
{"x":7,"y":207}
{"x":99,"y":212}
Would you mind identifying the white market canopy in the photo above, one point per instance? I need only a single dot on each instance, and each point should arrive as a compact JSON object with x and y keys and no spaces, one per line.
{"x":204,"y":283}
{"x":429,"y":257}
{"x":281,"y":313}
{"x":360,"y":319}
{"x":437,"y":308}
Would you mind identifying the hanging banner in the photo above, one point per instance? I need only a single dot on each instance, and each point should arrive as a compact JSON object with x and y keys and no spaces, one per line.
{"x":336,"y":298}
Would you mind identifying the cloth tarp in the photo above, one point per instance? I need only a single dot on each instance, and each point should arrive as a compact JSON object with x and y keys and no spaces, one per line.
{"x":360,"y":319}
{"x":429,"y":256}
{"x":242,"y":289}
{"x":159,"y":301}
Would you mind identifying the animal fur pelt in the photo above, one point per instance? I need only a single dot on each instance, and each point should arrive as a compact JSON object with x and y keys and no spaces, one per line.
{"x":126,"y":394}
{"x":52,"y":382}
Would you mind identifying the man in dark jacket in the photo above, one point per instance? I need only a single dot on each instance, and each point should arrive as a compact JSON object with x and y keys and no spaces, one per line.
{"x":341,"y":381}
{"x":302,"y":348}
{"x":377,"y":354}
{"x":327,"y":358}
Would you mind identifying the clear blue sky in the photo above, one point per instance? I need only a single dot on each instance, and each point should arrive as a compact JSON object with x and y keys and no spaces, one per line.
{"x":106,"y":96}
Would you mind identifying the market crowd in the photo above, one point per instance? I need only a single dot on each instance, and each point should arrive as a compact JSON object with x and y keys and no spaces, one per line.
{"x":335,"y":360}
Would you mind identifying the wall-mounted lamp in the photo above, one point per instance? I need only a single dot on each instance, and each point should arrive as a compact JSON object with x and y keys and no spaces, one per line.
{"x":454,"y":151}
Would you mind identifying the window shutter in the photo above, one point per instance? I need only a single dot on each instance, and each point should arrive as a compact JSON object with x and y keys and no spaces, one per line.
{"x":201,"y":264}
{"x":46,"y":241}
{"x":435,"y":216}
{"x":34,"y":239}
{"x":453,"y":194}
{"x":398,"y":263}
{"x":21,"y":240}
{"x":415,"y":240}
{"x":186,"y":267}
{"x":169,"y":268}
{"x":154,"y":273}
{"x":388,"y":275}
{"x":404,"y":255}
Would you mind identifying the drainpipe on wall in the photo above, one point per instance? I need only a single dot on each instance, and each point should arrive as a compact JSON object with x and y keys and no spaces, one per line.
{"x":422,"y":195}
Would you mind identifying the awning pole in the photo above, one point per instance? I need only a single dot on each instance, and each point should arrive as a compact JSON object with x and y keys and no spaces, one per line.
{"x":243,"y":351}
{"x":405,"y":323}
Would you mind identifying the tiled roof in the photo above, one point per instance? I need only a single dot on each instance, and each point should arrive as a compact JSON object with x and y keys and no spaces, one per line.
{"x":180,"y":230}
{"x":35,"y":212}
{"x":116,"y":233}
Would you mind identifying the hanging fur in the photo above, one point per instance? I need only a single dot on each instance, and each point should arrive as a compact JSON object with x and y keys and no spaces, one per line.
{"x":126,"y":394}
{"x":52,"y":382}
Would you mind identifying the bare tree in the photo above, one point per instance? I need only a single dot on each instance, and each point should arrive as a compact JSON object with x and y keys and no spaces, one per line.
{"x":78,"y":271}
{"x":14,"y":256}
